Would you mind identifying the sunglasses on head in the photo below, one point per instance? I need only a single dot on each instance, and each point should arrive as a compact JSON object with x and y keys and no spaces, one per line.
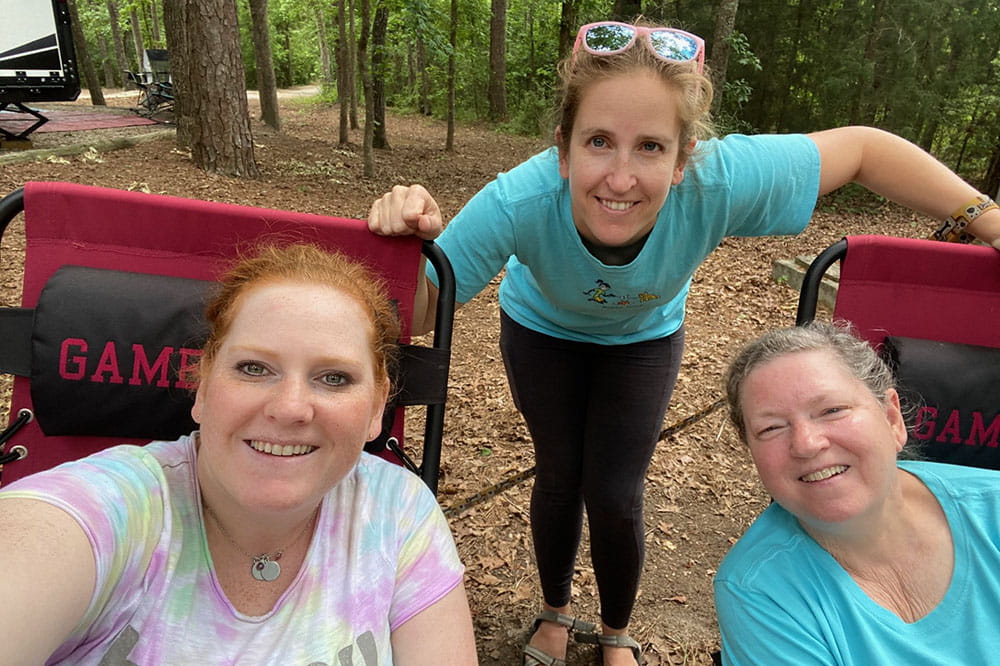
{"x":670,"y":44}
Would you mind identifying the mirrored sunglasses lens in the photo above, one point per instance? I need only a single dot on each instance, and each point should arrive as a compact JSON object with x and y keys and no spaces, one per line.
{"x":673,"y":45}
{"x":606,"y":38}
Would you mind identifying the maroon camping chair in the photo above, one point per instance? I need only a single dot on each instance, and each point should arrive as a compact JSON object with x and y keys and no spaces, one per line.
{"x":932,"y":309}
{"x":111,"y":314}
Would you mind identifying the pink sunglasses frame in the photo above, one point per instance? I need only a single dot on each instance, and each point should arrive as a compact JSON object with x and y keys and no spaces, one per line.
{"x":637,"y":32}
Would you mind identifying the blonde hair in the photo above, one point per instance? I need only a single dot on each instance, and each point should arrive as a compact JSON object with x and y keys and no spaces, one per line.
{"x":303,"y":262}
{"x":580,"y":70}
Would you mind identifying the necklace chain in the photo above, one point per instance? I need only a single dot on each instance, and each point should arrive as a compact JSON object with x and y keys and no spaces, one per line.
{"x":264,"y":566}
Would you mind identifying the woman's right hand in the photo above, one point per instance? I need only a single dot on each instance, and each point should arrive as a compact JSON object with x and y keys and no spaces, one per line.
{"x":405,"y":211}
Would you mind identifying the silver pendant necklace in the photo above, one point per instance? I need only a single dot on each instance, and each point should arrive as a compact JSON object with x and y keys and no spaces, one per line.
{"x":263,"y":567}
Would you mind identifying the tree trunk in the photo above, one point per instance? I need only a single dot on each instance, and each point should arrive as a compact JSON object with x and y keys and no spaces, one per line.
{"x":567,"y":27}
{"x":449,"y":143}
{"x":497,"y":92}
{"x":267,"y":90}
{"x":116,"y":38}
{"x":174,"y":25}
{"x":137,"y":38}
{"x":326,"y":68}
{"x":424,"y":95}
{"x":83,"y":57}
{"x":343,"y":70}
{"x":379,"y":139}
{"x":626,"y":10}
{"x":107,"y":63}
{"x":221,"y":141}
{"x":352,"y":56}
{"x":368,"y":155}
{"x":725,"y":21}
{"x":154,"y":22}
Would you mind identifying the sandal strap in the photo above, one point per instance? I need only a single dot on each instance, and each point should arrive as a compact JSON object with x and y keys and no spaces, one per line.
{"x":613,"y":640}
{"x":572,"y":623}
{"x":539,"y":657}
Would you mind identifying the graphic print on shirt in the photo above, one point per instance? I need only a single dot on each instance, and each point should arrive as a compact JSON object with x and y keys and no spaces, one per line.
{"x":602,"y":294}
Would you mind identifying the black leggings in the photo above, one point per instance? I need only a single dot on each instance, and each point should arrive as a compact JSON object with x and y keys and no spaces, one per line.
{"x":594,"y":413}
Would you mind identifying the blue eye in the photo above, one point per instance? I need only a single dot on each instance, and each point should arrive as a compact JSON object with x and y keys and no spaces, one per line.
{"x":598,"y":142}
{"x":334,"y":379}
{"x":651,"y":146}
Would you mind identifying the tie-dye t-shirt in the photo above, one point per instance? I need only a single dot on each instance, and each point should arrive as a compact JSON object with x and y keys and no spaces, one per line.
{"x":382,"y":553}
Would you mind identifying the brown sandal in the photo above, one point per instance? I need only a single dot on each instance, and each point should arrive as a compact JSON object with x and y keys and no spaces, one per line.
{"x":613,"y":640}
{"x":532,"y":656}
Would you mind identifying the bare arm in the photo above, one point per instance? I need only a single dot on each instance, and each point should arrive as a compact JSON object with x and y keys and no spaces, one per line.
{"x":900,"y":171}
{"x":440,"y":635}
{"x":407,"y":211}
{"x":49,"y":577}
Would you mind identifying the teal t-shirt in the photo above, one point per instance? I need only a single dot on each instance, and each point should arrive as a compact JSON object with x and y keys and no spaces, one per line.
{"x":737,"y":186}
{"x":784,"y":600}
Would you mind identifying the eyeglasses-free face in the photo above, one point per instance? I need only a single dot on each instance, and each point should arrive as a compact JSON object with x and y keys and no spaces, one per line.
{"x":671,"y":44}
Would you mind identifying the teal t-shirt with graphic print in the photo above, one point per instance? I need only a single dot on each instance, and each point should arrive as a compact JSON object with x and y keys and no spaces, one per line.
{"x":736,"y":186}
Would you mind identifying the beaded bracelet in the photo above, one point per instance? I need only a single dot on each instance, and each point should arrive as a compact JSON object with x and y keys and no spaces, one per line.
{"x":953,"y":229}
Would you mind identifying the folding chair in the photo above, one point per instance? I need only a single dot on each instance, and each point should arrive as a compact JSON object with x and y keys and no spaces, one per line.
{"x":114,"y":285}
{"x":933,"y":310}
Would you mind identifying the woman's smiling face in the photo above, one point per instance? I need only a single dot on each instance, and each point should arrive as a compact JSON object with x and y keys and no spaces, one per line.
{"x":824,"y":446}
{"x":290,"y":398}
{"x":622,"y":158}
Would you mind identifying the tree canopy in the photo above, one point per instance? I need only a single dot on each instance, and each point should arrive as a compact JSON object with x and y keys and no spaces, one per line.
{"x":928,"y":70}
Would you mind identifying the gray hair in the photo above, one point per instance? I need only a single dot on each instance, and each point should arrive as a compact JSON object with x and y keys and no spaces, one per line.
{"x":856,"y":355}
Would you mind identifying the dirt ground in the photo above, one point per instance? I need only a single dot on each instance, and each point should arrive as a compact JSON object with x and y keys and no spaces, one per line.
{"x":702,"y":490}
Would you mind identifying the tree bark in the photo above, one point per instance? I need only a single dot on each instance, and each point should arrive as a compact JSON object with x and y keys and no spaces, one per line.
{"x":137,"y":38}
{"x":174,"y":22}
{"x":567,"y":27}
{"x":497,"y":92}
{"x":368,"y":154}
{"x":449,"y":143}
{"x":352,"y":71}
{"x":343,"y":71}
{"x":326,"y":68}
{"x":116,"y":39}
{"x":267,"y":89}
{"x":221,"y":140}
{"x":154,"y":22}
{"x":725,"y":22}
{"x":626,"y":10}
{"x":83,"y":57}
{"x":107,"y":63}
{"x":381,"y":24}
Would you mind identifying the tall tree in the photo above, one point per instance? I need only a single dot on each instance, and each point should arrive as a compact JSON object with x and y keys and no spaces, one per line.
{"x":212,"y":78}
{"x":725,"y":21}
{"x":567,"y":26}
{"x":343,"y":78}
{"x":83,"y":57}
{"x":368,"y":154}
{"x":352,"y":58}
{"x":497,"y":92}
{"x":267,"y":89}
{"x":136,"y":37}
{"x":381,"y":24}
{"x":116,"y":40}
{"x":174,"y":25}
{"x":449,"y":143}
{"x":626,"y":10}
{"x":326,"y":67}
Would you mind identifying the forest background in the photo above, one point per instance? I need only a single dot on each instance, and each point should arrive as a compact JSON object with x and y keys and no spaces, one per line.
{"x":927,"y":70}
